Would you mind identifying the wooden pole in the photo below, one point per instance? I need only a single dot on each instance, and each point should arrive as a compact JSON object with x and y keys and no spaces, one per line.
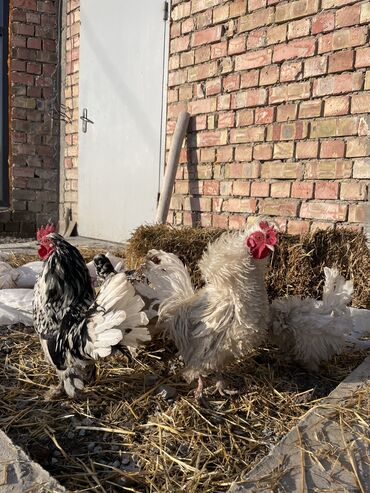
{"x":171,"y":168}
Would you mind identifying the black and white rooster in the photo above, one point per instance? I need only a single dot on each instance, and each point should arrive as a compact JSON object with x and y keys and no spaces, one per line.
{"x":75,"y":326}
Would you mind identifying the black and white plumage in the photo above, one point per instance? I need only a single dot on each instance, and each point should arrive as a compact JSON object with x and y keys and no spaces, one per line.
{"x":75,"y":327}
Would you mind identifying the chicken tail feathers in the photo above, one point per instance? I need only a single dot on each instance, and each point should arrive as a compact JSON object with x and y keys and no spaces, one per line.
{"x":116,"y":318}
{"x":168,"y":278}
{"x":337,"y":292}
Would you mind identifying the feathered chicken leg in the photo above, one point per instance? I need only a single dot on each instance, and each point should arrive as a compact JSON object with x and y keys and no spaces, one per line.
{"x":222,"y":390}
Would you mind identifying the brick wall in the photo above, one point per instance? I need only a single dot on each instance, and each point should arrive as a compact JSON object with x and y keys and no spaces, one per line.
{"x":34,"y":149}
{"x":280,"y":94}
{"x":69,"y":190}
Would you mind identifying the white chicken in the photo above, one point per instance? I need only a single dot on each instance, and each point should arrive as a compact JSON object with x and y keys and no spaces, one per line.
{"x":226,"y":319}
{"x":310,"y":331}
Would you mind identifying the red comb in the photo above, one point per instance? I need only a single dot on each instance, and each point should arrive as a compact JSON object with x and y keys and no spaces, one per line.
{"x":45,"y":230}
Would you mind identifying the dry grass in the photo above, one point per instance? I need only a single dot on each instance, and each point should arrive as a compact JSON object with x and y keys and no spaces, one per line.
{"x":142,"y":443}
{"x":297,"y":267}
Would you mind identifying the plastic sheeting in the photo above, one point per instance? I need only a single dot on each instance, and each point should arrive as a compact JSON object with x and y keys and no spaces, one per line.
{"x":16,"y":306}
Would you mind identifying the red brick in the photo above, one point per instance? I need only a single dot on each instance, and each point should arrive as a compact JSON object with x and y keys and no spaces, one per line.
{"x":224,"y":154}
{"x":315,"y":66}
{"x":293,"y":10}
{"x":298,"y":29}
{"x":243,"y":153}
{"x":347,"y":16}
{"x":22,"y":78}
{"x":326,"y":190}
{"x":328,"y":170}
{"x":224,"y":102}
{"x":231,"y":82}
{"x":283,"y":150}
{"x":256,"y":4}
{"x":324,"y":210}
{"x":290,"y":92}
{"x":336,"y":106}
{"x":250,"y":98}
{"x":341,"y":61}
{"x":281,"y":170}
{"x":256,"y":39}
{"x":341,"y":39}
{"x":365,"y":13}
{"x":247,"y":134}
{"x":213,"y":86}
{"x":238,"y":8}
{"x":337,"y":84}
{"x":25,"y":4}
{"x":357,"y":213}
{"x":206,"y":139}
{"x":264,"y":115}
{"x":249,"y":79}
{"x":298,"y":227}
{"x":239,"y":205}
{"x":199,"y":5}
{"x":219,"y":50}
{"x":353,"y":191}
{"x":23,"y":29}
{"x":360,"y":103}
{"x":332,"y":148}
{"x":258,"y":18}
{"x":307,"y":149}
{"x":237,"y":45}
{"x":287,"y":131}
{"x":286,"y":112}
{"x":211,"y":187}
{"x":322,"y":22}
{"x":245,"y":117}
{"x":220,"y":13}
{"x":280,"y":189}
{"x":262,"y":152}
{"x":290,"y":71}
{"x":279,"y":207}
{"x":302,"y":190}
{"x":260,"y":189}
{"x":358,"y":147}
{"x":206,"y":36}
{"x":237,"y":222}
{"x":361,"y":168}
{"x":362,"y":57}
{"x":269,"y":75}
{"x":33,"y":68}
{"x":310,"y":109}
{"x":202,"y":54}
{"x":295,"y":49}
{"x":276,"y":34}
{"x":226,"y":120}
{"x":201,"y":72}
{"x":180,"y":44}
{"x":202,"y":106}
{"x":241,"y":188}
{"x":253,"y":59}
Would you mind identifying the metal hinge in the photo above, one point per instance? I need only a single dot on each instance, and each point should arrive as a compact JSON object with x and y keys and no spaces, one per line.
{"x":165,"y":11}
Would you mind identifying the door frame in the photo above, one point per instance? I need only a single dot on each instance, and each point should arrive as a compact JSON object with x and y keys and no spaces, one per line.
{"x":4,"y":124}
{"x":166,"y":57}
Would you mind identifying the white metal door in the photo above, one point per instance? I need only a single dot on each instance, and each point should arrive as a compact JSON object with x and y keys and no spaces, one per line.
{"x":122,"y":59}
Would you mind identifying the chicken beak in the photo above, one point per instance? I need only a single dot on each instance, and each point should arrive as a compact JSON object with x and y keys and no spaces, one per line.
{"x":270,"y":247}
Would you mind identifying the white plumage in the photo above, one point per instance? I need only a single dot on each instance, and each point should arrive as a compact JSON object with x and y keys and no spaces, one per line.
{"x":313,"y":331}
{"x":223,"y":321}
{"x":118,"y":319}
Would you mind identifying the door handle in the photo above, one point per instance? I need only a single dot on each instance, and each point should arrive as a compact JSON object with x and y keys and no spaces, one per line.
{"x":85,"y":120}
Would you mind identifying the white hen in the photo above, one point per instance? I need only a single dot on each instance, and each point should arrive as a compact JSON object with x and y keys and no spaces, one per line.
{"x":226,"y":319}
{"x":313,"y":331}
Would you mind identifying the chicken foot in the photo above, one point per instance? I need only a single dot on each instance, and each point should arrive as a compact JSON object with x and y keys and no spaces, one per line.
{"x":220,"y":387}
{"x":54,"y":392}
